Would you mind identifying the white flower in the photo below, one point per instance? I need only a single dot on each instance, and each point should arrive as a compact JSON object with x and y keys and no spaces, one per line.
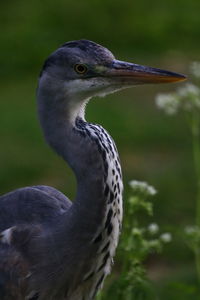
{"x":152,"y":191}
{"x":166,"y":237}
{"x":188,"y":90}
{"x":142,"y":187}
{"x":167,"y":102}
{"x":153,"y":228}
{"x":191,"y":229}
{"x":195,"y":69}
{"x":189,"y":96}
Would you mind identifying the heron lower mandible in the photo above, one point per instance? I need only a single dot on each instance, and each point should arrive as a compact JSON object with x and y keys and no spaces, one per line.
{"x":52,"y":248}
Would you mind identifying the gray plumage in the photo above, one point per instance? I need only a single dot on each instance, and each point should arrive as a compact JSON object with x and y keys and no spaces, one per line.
{"x":52,"y":248}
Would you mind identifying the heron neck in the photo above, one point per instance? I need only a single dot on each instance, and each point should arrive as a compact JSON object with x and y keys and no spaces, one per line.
{"x":78,"y":149}
{"x":94,"y":219}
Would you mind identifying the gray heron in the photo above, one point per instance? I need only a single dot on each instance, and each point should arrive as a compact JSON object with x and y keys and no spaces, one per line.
{"x":52,"y":248}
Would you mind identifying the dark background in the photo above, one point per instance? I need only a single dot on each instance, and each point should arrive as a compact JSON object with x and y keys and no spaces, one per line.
{"x":153,"y":147}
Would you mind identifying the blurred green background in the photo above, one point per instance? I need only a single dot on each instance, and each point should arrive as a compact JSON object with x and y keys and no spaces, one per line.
{"x":153,"y":147}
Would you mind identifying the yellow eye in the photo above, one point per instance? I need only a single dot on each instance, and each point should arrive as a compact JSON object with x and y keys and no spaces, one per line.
{"x":80,"y":68}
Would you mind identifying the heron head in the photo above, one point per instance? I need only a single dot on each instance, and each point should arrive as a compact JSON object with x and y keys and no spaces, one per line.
{"x":87,"y":69}
{"x":79,"y":70}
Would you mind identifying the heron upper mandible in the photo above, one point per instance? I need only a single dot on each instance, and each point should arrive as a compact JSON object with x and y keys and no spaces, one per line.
{"x":52,"y":248}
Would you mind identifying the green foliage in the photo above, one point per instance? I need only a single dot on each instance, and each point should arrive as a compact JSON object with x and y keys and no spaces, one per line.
{"x":187,"y":100}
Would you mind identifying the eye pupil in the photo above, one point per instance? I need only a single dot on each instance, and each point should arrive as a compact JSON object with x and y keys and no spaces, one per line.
{"x":81,"y":69}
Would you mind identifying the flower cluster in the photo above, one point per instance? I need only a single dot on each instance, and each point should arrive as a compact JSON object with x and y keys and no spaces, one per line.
{"x":186,"y":98}
{"x":141,"y":187}
{"x":192,"y":234}
{"x":143,"y":240}
{"x":153,"y":229}
{"x":141,"y":191}
{"x":168,"y":102}
{"x":166,"y":237}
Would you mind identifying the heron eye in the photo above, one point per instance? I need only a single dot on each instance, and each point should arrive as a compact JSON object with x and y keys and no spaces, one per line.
{"x":80,"y":69}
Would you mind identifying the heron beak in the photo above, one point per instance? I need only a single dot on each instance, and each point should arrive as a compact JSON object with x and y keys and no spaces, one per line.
{"x":131,"y":74}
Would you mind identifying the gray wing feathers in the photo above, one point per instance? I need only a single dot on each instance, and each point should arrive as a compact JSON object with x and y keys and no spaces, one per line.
{"x":39,"y":204}
{"x":23,"y":216}
{"x":52,"y":192}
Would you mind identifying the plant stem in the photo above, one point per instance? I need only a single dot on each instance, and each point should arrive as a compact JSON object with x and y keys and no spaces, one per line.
{"x":196,"y":153}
